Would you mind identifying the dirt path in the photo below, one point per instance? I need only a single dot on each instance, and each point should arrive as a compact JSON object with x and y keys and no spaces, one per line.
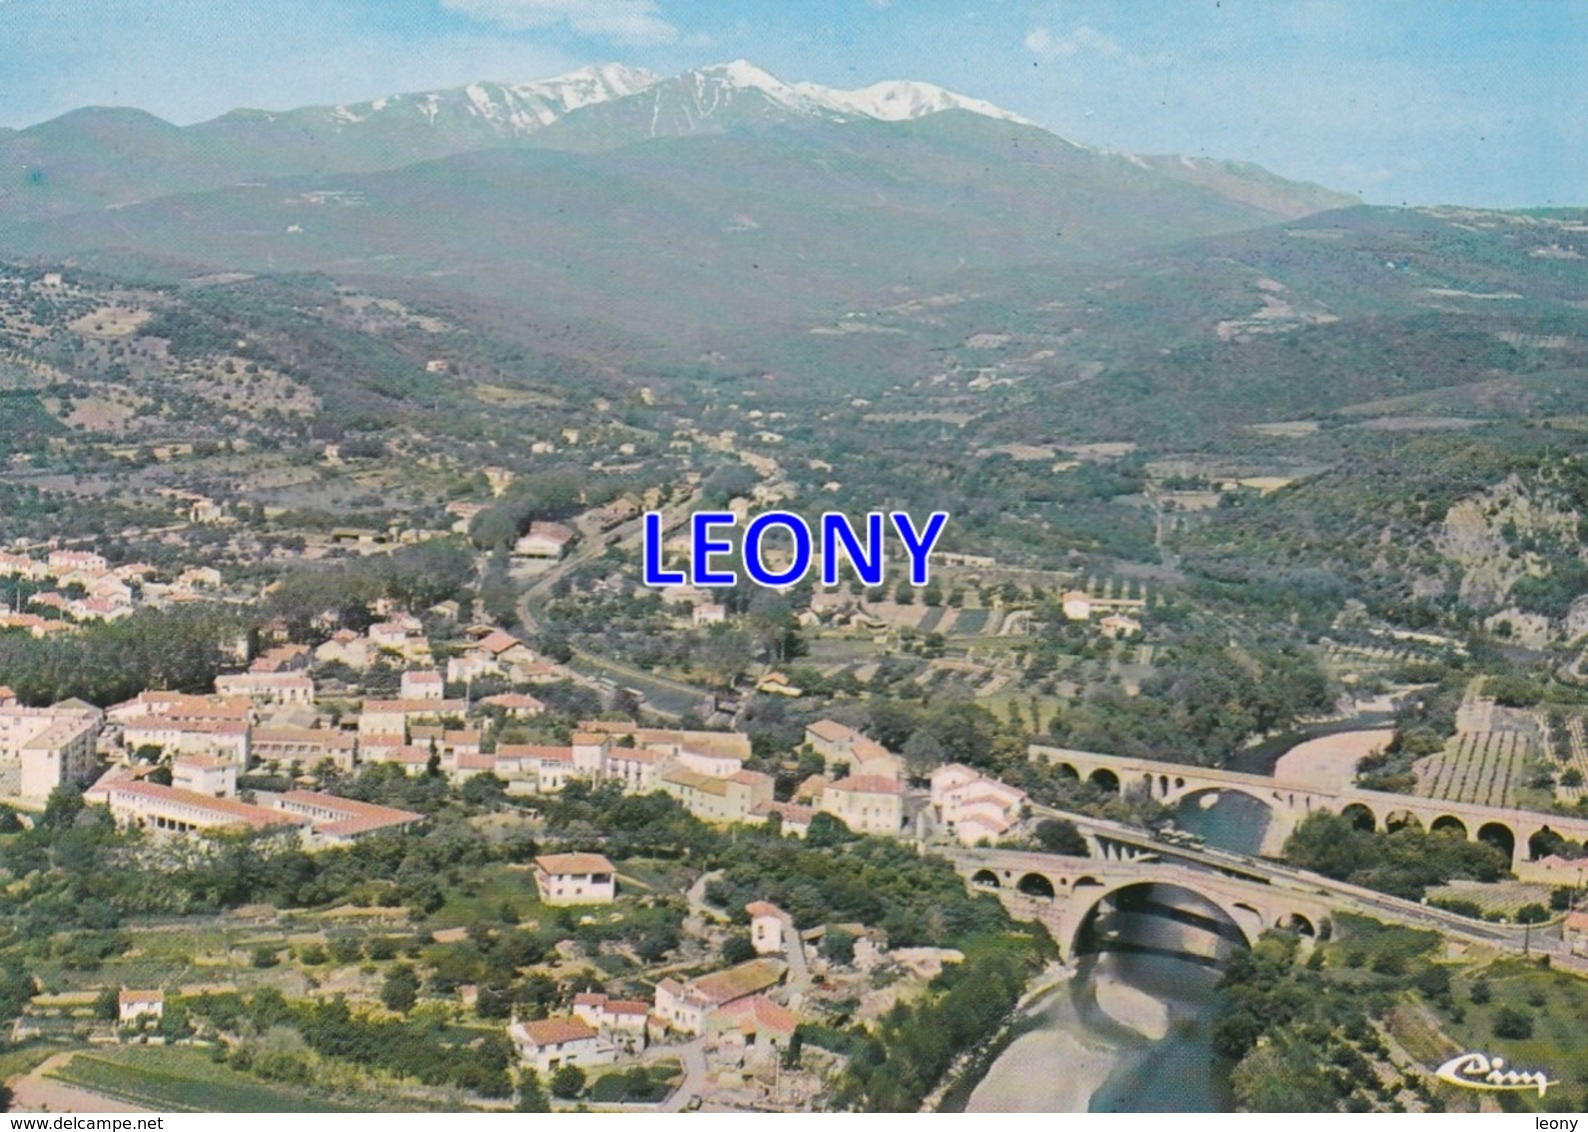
{"x":38,"y":1092}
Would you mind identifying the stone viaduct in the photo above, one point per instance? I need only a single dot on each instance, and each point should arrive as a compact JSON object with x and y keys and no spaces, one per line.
{"x":1062,"y":892}
{"x":1514,"y":832}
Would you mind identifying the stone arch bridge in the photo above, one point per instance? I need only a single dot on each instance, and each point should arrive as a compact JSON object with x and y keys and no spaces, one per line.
{"x":1063,"y":892}
{"x":1517,"y":833}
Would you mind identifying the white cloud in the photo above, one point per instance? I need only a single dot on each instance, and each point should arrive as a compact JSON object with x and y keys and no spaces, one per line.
{"x":1043,"y":41}
{"x":625,"y":21}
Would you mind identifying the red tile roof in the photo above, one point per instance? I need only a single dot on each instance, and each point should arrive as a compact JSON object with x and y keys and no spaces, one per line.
{"x":238,"y":812}
{"x":573,"y":864}
{"x":555,"y":1031}
{"x":867,"y":784}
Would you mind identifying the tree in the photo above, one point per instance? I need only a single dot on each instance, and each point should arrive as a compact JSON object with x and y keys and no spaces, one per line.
{"x":1058,"y":835}
{"x":838,"y":945}
{"x":922,"y":753}
{"x":568,"y":1082}
{"x":737,"y":948}
{"x":483,"y":790}
{"x":1512,"y":1023}
{"x":826,"y":831}
{"x":725,"y":653}
{"x":107,"y":1005}
{"x":531,"y":1095}
{"x":401,"y":989}
{"x":64,"y":804}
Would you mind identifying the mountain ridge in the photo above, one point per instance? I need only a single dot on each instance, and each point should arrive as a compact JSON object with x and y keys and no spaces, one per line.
{"x":107,"y":157}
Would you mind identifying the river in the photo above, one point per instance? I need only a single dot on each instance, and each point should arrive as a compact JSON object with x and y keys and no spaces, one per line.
{"x":1129,"y":1032}
{"x":1076,"y":1056}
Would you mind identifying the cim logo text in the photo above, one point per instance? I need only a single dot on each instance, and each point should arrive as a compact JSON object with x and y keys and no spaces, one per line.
{"x":1480,"y":1071}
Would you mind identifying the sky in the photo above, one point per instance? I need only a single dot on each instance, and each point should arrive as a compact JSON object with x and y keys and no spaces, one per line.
{"x":1477,"y":102}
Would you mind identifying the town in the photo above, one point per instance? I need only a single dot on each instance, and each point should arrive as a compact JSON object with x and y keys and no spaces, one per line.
{"x":565,"y":902}
{"x":708,"y":591}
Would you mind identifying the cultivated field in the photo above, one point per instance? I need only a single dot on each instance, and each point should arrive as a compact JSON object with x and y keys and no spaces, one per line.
{"x":1485,"y":767}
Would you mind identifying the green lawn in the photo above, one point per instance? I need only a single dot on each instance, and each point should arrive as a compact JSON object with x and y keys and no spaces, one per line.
{"x":18,"y":1061}
{"x":181,"y":1080}
{"x":482,"y":896}
{"x":612,"y":1088}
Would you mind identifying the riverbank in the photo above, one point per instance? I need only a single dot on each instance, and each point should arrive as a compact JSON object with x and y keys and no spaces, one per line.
{"x":968,"y":1071}
{"x":1044,"y":1062}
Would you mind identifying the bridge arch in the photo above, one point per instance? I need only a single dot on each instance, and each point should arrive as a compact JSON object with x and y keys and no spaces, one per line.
{"x":1448,"y":823}
{"x":1499,"y":835}
{"x":1359,"y":816}
{"x":1037,"y":885}
{"x":985,"y":878}
{"x":1245,"y":921}
{"x":1104,"y":779}
{"x":1267,"y":798}
{"x":1401,"y":819}
{"x":1067,"y":771}
{"x":1543,"y":843}
{"x":1298,"y":923}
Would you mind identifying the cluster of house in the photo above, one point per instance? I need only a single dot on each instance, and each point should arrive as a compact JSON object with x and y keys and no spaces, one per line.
{"x":862,"y":784}
{"x":732,"y":1009}
{"x":266,"y":715}
{"x":208,"y":742}
{"x":400,"y":639}
{"x":86,"y":588}
{"x":704,"y":770}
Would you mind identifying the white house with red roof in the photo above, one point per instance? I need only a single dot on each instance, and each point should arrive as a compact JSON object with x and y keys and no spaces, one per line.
{"x":203,"y":774}
{"x":866,"y":804}
{"x":550,"y":1044}
{"x":623,"y":1020}
{"x":973,"y":807}
{"x":767,"y":922}
{"x":544,"y":540}
{"x":422,"y":684}
{"x":575,"y":878}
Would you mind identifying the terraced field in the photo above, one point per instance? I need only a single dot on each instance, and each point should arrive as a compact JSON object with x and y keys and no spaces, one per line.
{"x":1572,"y":751}
{"x":1485,"y":767}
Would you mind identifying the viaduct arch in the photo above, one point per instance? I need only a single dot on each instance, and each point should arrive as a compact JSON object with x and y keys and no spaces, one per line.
{"x":1523,"y":835}
{"x":1065,"y":892}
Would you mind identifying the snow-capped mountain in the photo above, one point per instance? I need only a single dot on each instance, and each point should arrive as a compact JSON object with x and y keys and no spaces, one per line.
{"x":637,"y":103}
{"x":894,"y":101}
{"x":741,"y":96}
{"x":511,"y":108}
{"x":100,"y":158}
